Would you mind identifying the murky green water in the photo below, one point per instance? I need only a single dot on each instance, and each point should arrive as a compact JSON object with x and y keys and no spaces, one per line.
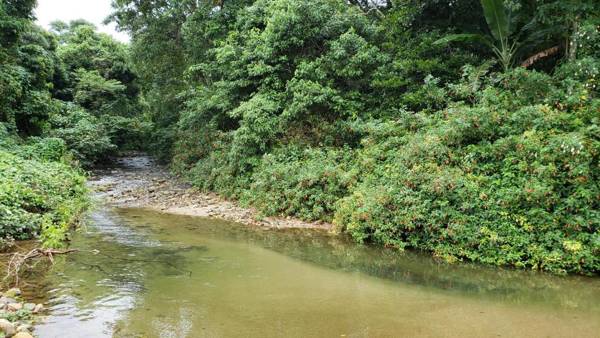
{"x":156,"y":275}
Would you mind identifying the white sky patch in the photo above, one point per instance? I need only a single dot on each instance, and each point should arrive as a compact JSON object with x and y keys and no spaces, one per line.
{"x":94,"y":11}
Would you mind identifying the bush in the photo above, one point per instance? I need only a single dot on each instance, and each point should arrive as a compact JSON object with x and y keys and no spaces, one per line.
{"x":84,"y":135}
{"x":221,"y":171}
{"x":39,"y":198}
{"x":44,"y":149}
{"x":126,"y":133}
{"x":516,"y":188}
{"x":301,"y":182}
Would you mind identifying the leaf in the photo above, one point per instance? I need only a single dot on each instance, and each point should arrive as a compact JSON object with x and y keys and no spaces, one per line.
{"x":465,"y":38}
{"x":496,"y":18}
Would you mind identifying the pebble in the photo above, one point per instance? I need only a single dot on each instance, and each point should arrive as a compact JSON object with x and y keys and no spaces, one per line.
{"x":15,"y":306}
{"x":38,"y":308}
{"x":29,"y":306}
{"x":154,"y":188}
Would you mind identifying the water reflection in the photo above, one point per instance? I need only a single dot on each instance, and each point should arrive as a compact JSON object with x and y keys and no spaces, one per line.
{"x":150,"y":275}
{"x":339,"y":253}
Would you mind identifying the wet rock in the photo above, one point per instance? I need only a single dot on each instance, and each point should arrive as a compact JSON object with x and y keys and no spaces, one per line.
{"x":29,"y":306}
{"x":7,"y":328}
{"x":23,"y":335}
{"x":15,"y":306}
{"x":38,"y":308}
{"x":7,"y":300}
{"x":24,"y":328}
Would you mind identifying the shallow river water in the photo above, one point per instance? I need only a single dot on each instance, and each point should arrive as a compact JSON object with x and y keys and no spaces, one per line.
{"x":145,"y":274}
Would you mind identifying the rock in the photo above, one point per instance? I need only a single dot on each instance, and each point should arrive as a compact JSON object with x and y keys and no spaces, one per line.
{"x":38,"y":308}
{"x":23,"y":335}
{"x":15,"y":306}
{"x":11,"y":293}
{"x":24,"y":328}
{"x":7,"y":327}
{"x":29,"y":306}
{"x":7,"y":300}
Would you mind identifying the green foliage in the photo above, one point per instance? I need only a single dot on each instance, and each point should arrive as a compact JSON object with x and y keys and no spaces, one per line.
{"x":66,"y":98}
{"x":287,"y":65}
{"x":512,"y":187}
{"x":94,"y":92}
{"x":216,"y":172}
{"x":44,"y":149}
{"x":22,"y":314}
{"x":160,"y":58}
{"x":302,"y":182}
{"x":25,"y":80}
{"x":98,"y":72}
{"x":88,"y":70}
{"x":39,"y":196}
{"x":15,"y":16}
{"x":510,"y":36}
{"x":83,"y":133}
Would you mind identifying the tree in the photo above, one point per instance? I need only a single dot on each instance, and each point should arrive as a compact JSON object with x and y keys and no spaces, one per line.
{"x":509,"y":34}
{"x":569,"y":15}
{"x":99,"y":73}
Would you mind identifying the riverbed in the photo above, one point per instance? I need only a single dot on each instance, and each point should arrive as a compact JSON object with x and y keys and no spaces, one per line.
{"x":143,"y":273}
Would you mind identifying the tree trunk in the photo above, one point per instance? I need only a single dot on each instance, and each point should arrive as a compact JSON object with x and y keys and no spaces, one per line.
{"x":534,"y":58}
{"x":574,"y":41}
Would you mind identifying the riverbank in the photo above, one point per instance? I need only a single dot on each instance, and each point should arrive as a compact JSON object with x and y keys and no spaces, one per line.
{"x":17,"y":316}
{"x":136,"y":181}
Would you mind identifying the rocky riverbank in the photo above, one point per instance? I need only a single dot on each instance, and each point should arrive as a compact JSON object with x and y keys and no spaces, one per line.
{"x":137,"y":181}
{"x":16,"y":316}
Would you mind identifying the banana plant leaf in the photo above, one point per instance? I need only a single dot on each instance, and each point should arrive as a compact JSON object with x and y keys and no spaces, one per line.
{"x":496,"y":18}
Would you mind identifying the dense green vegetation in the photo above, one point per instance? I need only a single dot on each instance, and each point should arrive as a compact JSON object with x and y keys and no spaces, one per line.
{"x":466,"y":128}
{"x":68,"y":98}
{"x":40,"y":194}
{"x":469,"y":129}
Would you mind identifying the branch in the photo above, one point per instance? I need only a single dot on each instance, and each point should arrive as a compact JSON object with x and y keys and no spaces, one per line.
{"x":368,"y":6}
{"x":543,"y":54}
{"x":18,"y":259}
